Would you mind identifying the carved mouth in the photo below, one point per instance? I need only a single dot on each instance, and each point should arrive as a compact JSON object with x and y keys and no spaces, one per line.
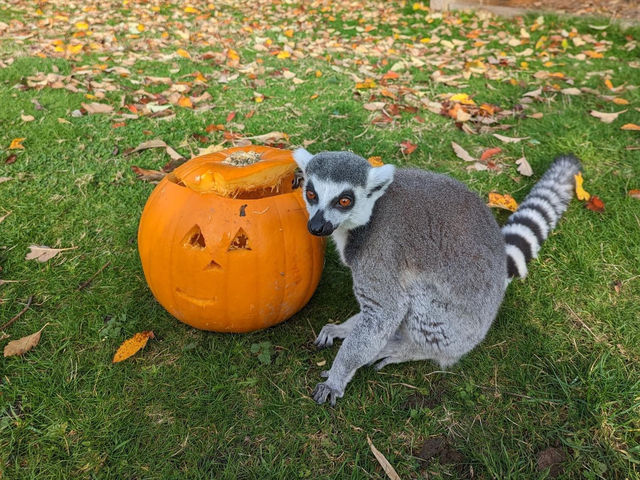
{"x":201,"y":302}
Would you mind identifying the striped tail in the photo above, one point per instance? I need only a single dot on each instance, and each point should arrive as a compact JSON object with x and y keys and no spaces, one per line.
{"x":538,"y":214}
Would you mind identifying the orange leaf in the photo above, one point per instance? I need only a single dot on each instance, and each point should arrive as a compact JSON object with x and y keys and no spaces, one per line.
{"x":368,"y":83}
{"x":407,"y":147}
{"x":185,"y":102}
{"x":595,"y":204}
{"x":630,"y":126}
{"x":232,"y":54}
{"x":488,"y":153}
{"x":632,"y":193}
{"x":593,"y":54}
{"x":16,"y":144}
{"x":390,"y":75}
{"x":131,"y":346}
{"x":183,"y":53}
{"x":505,"y":201}
{"x":375,"y":161}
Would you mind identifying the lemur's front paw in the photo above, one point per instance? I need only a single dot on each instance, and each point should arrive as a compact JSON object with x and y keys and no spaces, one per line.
{"x":323,"y":391}
{"x":326,"y":336}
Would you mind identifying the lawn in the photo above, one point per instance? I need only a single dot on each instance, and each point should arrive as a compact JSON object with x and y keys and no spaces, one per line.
{"x":553,"y":391}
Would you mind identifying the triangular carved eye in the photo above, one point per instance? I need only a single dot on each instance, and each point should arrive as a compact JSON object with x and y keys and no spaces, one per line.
{"x":194,"y":238}
{"x":240,"y":241}
{"x":213,"y":265}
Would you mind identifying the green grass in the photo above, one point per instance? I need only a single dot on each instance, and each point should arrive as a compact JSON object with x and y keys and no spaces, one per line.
{"x":559,"y":367}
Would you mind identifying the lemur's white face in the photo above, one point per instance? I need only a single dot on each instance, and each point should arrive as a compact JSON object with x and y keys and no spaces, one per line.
{"x":332,"y":205}
{"x":340,"y":189}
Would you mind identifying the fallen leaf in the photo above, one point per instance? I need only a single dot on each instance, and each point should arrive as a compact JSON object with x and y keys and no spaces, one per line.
{"x":504,"y":139}
{"x":375,"y":161}
{"x":630,"y":126}
{"x":147,"y":175}
{"x":64,"y":120}
{"x":5,"y":179}
{"x":27,"y":118}
{"x":407,"y":147}
{"x":24,"y":344}
{"x":523,"y":167}
{"x":131,"y":346}
{"x":373,"y":106}
{"x":16,"y":144}
{"x":571,"y":91}
{"x":185,"y":102}
{"x":462,"y":98}
{"x":606,"y":117}
{"x":632,"y":193}
{"x":384,"y":463}
{"x":230,"y":116}
{"x":581,"y":193}
{"x":211,"y":149}
{"x":489,"y":152}
{"x":11,"y":159}
{"x":183,"y":53}
{"x":620,"y":101}
{"x":368,"y":83}
{"x":505,"y":201}
{"x":595,"y":204}
{"x":270,"y":137}
{"x":95,"y":107}
{"x":461,"y":153}
{"x":43,"y":254}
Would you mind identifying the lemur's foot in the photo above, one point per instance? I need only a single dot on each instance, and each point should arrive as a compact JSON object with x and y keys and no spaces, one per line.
{"x":327,"y":335}
{"x":323,"y":391}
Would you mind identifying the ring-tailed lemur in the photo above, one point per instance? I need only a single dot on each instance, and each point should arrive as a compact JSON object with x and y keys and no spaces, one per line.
{"x":429,"y":262}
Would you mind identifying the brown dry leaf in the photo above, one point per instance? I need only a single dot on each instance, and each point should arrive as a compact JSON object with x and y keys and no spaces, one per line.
{"x":95,"y":107}
{"x":270,"y":137}
{"x":632,"y":193}
{"x":504,"y":139}
{"x":407,"y":147}
{"x":64,"y":121}
{"x":43,"y":254}
{"x":131,"y":346}
{"x":581,"y":193}
{"x":173,"y":154}
{"x":147,"y":175}
{"x":461,"y":153}
{"x":606,"y":117}
{"x":16,"y":144}
{"x":11,"y":159}
{"x":571,"y":91}
{"x":374,"y":106}
{"x":155,"y":143}
{"x":5,"y":179}
{"x":24,"y":344}
{"x":505,"y":201}
{"x":630,"y":126}
{"x":384,"y":463}
{"x":489,"y":152}
{"x":211,"y":149}
{"x":595,"y":204}
{"x":523,"y":167}
{"x":27,"y":118}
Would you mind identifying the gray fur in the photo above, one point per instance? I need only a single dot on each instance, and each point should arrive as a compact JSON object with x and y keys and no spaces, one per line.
{"x":428,"y":262}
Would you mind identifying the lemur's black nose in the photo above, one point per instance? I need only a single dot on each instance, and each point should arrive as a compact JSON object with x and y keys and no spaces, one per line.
{"x":319,"y":226}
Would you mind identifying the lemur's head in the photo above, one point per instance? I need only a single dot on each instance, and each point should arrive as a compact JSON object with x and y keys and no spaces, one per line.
{"x":340,"y":189}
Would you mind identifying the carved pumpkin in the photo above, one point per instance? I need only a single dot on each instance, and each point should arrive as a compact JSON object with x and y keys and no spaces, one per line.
{"x":224,"y":243}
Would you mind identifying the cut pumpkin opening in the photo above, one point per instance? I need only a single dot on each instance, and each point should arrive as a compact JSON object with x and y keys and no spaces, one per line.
{"x":240,"y":241}
{"x":194,"y":238}
{"x":243,"y":172}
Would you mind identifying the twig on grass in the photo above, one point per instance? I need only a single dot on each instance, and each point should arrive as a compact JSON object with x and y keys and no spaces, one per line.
{"x":84,"y":285}
{"x":19,"y":314}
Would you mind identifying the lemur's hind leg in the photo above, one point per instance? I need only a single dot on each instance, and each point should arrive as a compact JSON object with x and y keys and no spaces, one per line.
{"x":331,"y":331}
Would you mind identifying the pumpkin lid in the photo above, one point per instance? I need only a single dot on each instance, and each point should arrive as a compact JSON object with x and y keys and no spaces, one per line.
{"x":247,"y":172}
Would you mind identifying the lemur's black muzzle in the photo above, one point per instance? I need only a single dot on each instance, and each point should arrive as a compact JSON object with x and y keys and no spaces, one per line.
{"x":319,"y":226}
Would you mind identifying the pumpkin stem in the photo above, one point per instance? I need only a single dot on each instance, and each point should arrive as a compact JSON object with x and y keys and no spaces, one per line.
{"x":242,"y":158}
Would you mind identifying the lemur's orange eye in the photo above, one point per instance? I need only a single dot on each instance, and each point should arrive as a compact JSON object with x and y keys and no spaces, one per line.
{"x":345,"y":202}
{"x":311,"y":195}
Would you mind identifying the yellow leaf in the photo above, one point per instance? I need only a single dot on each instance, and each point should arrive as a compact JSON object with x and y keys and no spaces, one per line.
{"x":368,"y":83}
{"x":593,"y":54}
{"x":16,"y":144}
{"x":375,"y":161}
{"x":581,"y":193}
{"x":462,"y":98}
{"x":140,"y":27}
{"x":82,"y":25}
{"x":200,"y":78}
{"x":131,"y":346}
{"x":425,"y":40}
{"x":73,"y":49}
{"x":318,"y":73}
{"x":233,"y":55}
{"x":288,"y":33}
{"x":191,"y":10}
{"x":283,"y":54}
{"x":183,"y":53}
{"x":630,"y":126}
{"x":185,"y":102}
{"x":620,"y":101}
{"x":259,"y":98}
{"x":505,"y":201}
{"x":524,"y":65}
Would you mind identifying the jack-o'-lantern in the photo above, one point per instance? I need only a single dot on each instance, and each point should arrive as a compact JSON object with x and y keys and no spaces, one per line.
{"x":224,"y":244}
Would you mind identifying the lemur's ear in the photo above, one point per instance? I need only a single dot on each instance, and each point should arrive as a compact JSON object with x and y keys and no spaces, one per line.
{"x":379,"y":179}
{"x":302,"y":157}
